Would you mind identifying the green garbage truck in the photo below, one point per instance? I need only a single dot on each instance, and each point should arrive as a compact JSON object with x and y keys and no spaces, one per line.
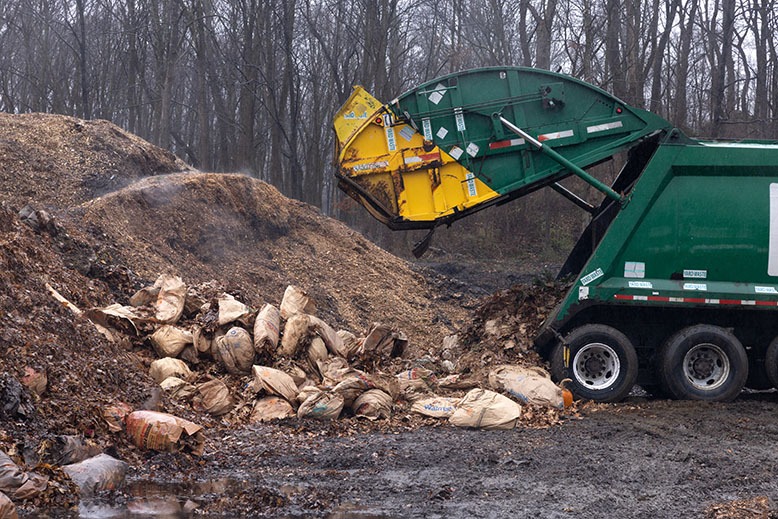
{"x":676,"y":276}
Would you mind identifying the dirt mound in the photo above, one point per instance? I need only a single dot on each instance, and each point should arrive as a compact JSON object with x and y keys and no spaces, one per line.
{"x":244,"y":233}
{"x":54,"y":160}
{"x":82,"y":368}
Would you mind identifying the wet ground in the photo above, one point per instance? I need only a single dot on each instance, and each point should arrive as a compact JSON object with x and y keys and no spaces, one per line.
{"x":640,"y":458}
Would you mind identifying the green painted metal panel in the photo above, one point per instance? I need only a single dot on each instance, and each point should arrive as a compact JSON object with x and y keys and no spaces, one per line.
{"x":461,"y":114}
{"x":696,"y":232}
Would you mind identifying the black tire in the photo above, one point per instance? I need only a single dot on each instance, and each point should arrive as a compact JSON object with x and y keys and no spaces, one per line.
{"x":771,"y":363}
{"x":656,"y":391}
{"x":757,"y":374}
{"x":703,"y":362}
{"x":656,"y":387}
{"x":603,"y":365}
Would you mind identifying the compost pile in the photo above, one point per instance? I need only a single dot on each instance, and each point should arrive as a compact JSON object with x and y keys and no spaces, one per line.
{"x":59,"y":161}
{"x":96,"y":237}
{"x":504,"y":324}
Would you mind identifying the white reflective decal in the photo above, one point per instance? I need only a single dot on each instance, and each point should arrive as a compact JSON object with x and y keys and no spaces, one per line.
{"x":772,"y":256}
{"x":471,"y":190}
{"x":603,"y":127}
{"x":592,"y":276}
{"x":634,"y":269}
{"x":391,"y":142}
{"x":407,"y":133}
{"x":427,"y":128}
{"x":437,"y":95}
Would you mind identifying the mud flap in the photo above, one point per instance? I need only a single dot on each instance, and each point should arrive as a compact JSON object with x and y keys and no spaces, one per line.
{"x":422,"y":245}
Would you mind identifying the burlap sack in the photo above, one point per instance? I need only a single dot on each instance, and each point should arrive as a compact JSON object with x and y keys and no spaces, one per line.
{"x":115,"y":317}
{"x":115,"y":414}
{"x":354,"y":382}
{"x":418,"y":379}
{"x":351,"y":388}
{"x":267,"y":328}
{"x":271,"y":408}
{"x":7,"y":508}
{"x":457,"y":381}
{"x":235,"y":351}
{"x":202,"y":342}
{"x":190,"y":355}
{"x":169,"y":367}
{"x":352,"y":346}
{"x":298,"y":374}
{"x":101,"y":472}
{"x":307,"y":391}
{"x":296,"y":334}
{"x":144,"y":296}
{"x":170,"y":341}
{"x":382,"y":342}
{"x":386,"y":383}
{"x":373,"y":404}
{"x":331,"y":339}
{"x":436,"y":407}
{"x":231,"y":310}
{"x":322,"y":405}
{"x":164,"y":432}
{"x":170,"y":299}
{"x":529,"y":385}
{"x":317,"y":352}
{"x":296,"y":301}
{"x":177,"y":388}
{"x":18,"y":484}
{"x":213,"y":397}
{"x":485,"y":409}
{"x":274,"y":382}
{"x":334,"y":370}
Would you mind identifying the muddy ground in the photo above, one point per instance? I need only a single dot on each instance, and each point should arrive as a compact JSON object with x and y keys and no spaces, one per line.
{"x":639,"y":458}
{"x":115,"y":218}
{"x":642,"y":459}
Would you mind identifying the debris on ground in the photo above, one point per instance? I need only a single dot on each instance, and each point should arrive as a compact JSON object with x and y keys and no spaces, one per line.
{"x":18,"y":484}
{"x":97,"y":474}
{"x":759,"y":507}
{"x":164,"y":432}
{"x":312,"y":369}
{"x":484,"y":409}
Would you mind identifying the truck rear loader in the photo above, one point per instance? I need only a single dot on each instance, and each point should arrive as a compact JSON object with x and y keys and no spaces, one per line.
{"x":676,"y":276}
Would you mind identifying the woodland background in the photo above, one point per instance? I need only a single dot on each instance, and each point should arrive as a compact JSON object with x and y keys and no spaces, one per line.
{"x":251,"y":86}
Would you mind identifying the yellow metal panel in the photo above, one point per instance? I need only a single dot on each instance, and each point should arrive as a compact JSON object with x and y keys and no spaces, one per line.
{"x":406,"y":175}
{"x":357,"y":110}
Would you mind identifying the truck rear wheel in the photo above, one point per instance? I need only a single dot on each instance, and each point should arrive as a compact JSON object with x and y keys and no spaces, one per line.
{"x":757,"y":374}
{"x":703,"y":362}
{"x":771,"y":362}
{"x":602,"y":363}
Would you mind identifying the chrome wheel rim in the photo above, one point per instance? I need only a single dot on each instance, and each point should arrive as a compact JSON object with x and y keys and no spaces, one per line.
{"x":596,"y":366}
{"x":706,"y":367}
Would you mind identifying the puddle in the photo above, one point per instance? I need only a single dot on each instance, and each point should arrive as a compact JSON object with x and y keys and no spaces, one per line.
{"x":150,"y":499}
{"x":156,"y":500}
